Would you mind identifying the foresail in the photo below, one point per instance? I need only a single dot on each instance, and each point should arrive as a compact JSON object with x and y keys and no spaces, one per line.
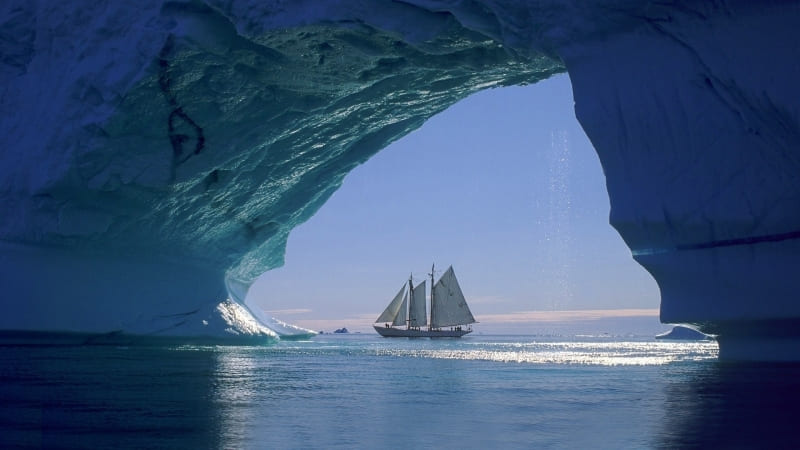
{"x":449,"y":305}
{"x":390,"y":313}
{"x":417,"y":312}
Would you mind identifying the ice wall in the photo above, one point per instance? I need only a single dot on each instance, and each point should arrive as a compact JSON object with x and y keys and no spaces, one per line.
{"x":155,"y":156}
{"x":696,"y":117}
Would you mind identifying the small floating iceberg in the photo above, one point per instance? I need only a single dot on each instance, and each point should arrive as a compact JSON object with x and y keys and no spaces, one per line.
{"x":682,"y":333}
{"x":285,"y":330}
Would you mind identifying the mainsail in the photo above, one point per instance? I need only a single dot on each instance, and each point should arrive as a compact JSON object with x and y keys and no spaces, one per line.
{"x":417,"y":312}
{"x":402,"y":314}
{"x":448,"y":305}
{"x":396,"y":311}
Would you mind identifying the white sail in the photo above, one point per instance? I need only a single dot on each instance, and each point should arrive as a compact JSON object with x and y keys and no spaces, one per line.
{"x":390,"y":313}
{"x":402,"y":314}
{"x":417,"y":312}
{"x":448,"y":305}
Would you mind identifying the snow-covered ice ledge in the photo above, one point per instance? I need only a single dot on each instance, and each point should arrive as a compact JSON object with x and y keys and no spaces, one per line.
{"x":166,"y":146}
{"x":121,"y":297}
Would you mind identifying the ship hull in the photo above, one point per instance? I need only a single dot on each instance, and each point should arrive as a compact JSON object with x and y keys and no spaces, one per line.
{"x":399,"y":332}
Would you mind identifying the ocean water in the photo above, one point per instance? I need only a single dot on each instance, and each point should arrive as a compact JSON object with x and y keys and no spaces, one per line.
{"x":364,"y":391}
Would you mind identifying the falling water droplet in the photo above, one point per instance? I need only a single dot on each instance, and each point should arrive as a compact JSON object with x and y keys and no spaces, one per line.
{"x":557,"y":238}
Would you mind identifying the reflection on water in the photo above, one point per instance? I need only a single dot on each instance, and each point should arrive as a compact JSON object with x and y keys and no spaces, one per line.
{"x":612,"y":353}
{"x":352,"y":392}
{"x":732,"y":406}
{"x":99,"y":397}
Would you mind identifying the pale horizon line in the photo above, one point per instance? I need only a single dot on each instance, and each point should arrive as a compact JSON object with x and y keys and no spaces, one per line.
{"x":365,"y":320}
{"x":291,"y":311}
{"x":570,"y":314}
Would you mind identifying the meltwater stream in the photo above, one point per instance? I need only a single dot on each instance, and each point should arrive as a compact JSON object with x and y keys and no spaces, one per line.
{"x":362,"y":391}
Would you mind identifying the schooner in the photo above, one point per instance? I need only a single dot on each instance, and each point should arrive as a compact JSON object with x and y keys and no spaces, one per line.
{"x":408,"y":309}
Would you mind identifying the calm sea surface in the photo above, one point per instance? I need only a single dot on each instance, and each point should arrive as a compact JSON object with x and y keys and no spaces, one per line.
{"x":364,"y":391}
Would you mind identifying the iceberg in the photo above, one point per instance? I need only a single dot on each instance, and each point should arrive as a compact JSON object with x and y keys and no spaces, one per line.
{"x":156,"y":156}
{"x":682,"y":333}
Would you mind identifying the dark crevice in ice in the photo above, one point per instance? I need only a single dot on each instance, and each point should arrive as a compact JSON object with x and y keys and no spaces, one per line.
{"x":181,"y":129}
{"x":741,"y":241}
{"x":749,"y":240}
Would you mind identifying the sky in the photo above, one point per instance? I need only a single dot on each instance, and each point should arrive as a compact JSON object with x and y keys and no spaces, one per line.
{"x":505,"y":187}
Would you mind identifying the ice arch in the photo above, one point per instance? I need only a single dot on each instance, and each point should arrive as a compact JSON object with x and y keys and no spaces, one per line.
{"x":156,"y":156}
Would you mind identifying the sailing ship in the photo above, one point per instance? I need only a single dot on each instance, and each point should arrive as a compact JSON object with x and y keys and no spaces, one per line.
{"x":406,"y":315}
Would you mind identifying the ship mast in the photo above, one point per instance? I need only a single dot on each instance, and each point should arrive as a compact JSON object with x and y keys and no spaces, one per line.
{"x":411,"y":298}
{"x":430,"y":325}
